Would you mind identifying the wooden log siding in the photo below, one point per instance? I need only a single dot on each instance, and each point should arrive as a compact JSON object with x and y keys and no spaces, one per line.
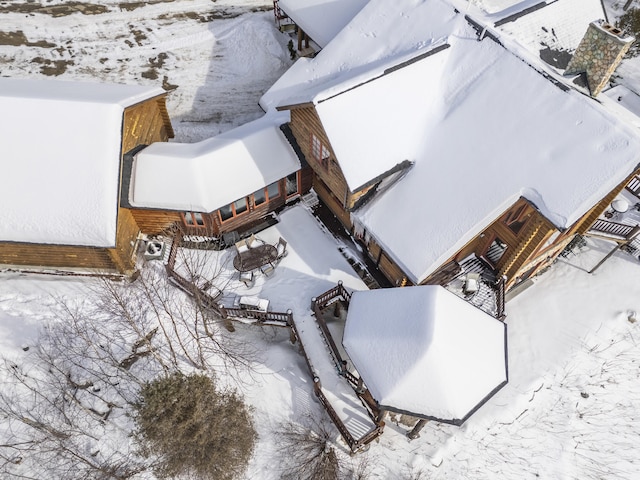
{"x":56,"y":257}
{"x":146,"y":123}
{"x":123,"y":255}
{"x":385,"y":264}
{"x":305,"y":123}
{"x":156,"y":222}
{"x":253,"y":214}
{"x":333,"y":203}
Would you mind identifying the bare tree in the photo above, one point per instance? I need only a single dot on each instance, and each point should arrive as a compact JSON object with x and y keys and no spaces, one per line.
{"x":66,"y":409}
{"x":310,"y":452}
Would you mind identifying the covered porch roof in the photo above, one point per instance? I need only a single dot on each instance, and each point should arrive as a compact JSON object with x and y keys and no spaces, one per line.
{"x":425,"y":352}
{"x":207,"y":175}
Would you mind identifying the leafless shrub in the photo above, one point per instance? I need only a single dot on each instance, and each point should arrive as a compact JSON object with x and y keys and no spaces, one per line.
{"x":309,"y":452}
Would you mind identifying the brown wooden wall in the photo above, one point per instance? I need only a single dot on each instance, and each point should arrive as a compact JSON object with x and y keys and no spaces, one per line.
{"x":146,"y":123}
{"x":385,"y":263}
{"x":332,"y":202}
{"x":143,"y":123}
{"x":155,"y":222}
{"x":304,"y":123}
{"x":60,"y":257}
{"x":126,"y":238}
{"x":253,"y":215}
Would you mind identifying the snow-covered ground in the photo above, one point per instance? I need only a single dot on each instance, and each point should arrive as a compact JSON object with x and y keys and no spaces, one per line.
{"x":570,"y":408}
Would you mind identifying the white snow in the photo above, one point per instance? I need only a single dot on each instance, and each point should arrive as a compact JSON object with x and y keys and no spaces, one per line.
{"x":568,"y":334}
{"x":559,"y":25}
{"x":504,"y":125}
{"x":322,"y":19}
{"x":373,"y":43}
{"x":61,"y":146}
{"x":424,"y":350}
{"x":207,"y":175}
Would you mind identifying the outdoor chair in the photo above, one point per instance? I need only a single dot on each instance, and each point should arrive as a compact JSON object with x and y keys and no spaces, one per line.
{"x":254,"y":241}
{"x":242,"y":246}
{"x":230,"y":238}
{"x":471,"y":283}
{"x":247,"y":278}
{"x":281,"y":247}
{"x":267,"y":270}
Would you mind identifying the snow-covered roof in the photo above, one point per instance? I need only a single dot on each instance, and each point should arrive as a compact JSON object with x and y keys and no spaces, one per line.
{"x":383,"y":32}
{"x":425,"y":351}
{"x":321,"y":19}
{"x":505,"y":7}
{"x":492,"y":129}
{"x":553,"y":29}
{"x":60,"y":146}
{"x":207,"y":175}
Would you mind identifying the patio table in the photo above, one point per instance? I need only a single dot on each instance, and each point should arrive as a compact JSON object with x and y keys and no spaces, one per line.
{"x":255,"y":257}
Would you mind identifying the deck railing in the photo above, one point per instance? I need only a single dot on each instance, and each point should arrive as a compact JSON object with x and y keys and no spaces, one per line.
{"x":634,"y":186}
{"x":286,"y":320}
{"x":501,"y":298}
{"x":618,"y":230}
{"x":318,"y":304}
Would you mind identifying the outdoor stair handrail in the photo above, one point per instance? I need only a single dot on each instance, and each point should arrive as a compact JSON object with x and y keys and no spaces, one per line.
{"x":285,"y":320}
{"x":618,"y":230}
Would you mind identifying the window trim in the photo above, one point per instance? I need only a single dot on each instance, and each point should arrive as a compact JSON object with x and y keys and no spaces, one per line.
{"x":250,"y":201}
{"x":233,"y":209}
{"x":297,"y":192}
{"x":319,"y":151}
{"x":194,"y":219}
{"x":516,"y":215}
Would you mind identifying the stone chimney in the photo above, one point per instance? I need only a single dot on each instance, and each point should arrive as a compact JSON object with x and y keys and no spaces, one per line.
{"x":599,"y":53}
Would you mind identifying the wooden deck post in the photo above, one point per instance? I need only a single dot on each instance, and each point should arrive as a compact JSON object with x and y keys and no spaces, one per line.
{"x":415,"y":433}
{"x":228,"y":324}
{"x":292,"y":334}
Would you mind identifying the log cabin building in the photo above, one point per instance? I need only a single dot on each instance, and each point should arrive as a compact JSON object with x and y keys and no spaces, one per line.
{"x":63,"y":145}
{"x":427,"y":164}
{"x":504,"y":161}
{"x":228,"y":183}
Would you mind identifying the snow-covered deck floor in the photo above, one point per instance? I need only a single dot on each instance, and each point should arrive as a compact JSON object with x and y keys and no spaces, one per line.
{"x":312,"y":266}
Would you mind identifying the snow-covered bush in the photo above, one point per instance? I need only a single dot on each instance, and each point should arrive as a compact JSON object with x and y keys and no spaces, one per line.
{"x":192,"y":429}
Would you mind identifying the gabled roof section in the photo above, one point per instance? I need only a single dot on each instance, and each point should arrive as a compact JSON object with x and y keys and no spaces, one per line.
{"x":207,"y":175}
{"x":322,"y":19}
{"x":392,"y":96}
{"x":490,"y":129}
{"x":61,"y":145}
{"x":382,"y":34}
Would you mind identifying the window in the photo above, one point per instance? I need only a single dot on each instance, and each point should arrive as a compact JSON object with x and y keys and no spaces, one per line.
{"x":193,"y":219}
{"x":273,"y":190}
{"x":240,"y":206}
{"x":259,"y":197}
{"x":266,"y":194}
{"x":319,"y":151}
{"x":516,"y":219}
{"x":292,"y":184}
{"x":496,"y":250}
{"x":233,"y":209}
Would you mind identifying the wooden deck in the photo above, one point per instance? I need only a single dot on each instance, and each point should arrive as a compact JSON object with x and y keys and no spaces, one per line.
{"x":356,"y":424}
{"x":490,"y":297}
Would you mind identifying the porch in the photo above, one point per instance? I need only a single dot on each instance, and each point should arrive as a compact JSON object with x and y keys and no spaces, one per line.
{"x":474,"y":280}
{"x":620,"y":223}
